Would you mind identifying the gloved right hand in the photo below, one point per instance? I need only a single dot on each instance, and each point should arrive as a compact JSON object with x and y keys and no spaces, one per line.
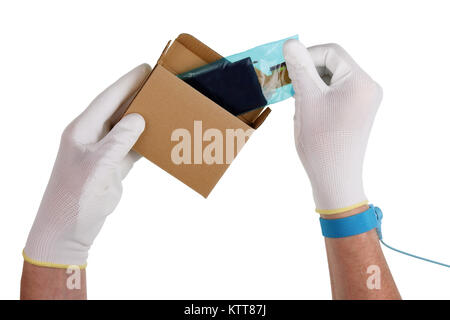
{"x":86,"y":183}
{"x":335,"y":106}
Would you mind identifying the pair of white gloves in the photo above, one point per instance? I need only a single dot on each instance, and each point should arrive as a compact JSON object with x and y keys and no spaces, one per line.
{"x":335,"y":105}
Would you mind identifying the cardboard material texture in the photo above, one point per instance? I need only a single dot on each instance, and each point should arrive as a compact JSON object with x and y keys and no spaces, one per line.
{"x":168,"y":104}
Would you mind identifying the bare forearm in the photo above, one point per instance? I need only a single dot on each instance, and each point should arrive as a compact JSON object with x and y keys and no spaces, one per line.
{"x":41,"y":283}
{"x":358,"y":269}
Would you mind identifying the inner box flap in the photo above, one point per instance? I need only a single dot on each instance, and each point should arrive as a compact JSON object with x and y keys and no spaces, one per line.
{"x":187,"y":53}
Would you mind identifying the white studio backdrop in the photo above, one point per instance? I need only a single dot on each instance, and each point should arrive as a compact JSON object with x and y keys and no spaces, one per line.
{"x":256,"y":236}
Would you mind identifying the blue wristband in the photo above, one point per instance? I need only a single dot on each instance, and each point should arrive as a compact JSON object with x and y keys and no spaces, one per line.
{"x":360,"y":223}
{"x":353,"y":225}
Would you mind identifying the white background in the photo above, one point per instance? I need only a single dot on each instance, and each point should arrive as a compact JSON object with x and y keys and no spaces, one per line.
{"x":256,"y":236}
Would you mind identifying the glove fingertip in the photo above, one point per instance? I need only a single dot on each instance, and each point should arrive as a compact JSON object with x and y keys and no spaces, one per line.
{"x":293,"y":50}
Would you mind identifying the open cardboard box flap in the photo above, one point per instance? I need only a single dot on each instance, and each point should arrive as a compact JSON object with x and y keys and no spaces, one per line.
{"x":187,"y":53}
{"x":175,"y":112}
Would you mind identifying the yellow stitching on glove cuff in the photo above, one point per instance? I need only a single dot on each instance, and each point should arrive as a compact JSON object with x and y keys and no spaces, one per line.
{"x":334,"y":211}
{"x":49,"y":264}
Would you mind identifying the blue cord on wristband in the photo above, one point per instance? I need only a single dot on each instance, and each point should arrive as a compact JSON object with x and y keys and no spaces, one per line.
{"x":360,"y":223}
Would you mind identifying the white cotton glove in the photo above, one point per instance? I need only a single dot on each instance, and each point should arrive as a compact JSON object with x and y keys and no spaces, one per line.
{"x":85,"y":185}
{"x":332,"y":122}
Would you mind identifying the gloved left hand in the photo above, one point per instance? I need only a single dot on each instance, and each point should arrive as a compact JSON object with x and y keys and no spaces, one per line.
{"x":86,"y":182}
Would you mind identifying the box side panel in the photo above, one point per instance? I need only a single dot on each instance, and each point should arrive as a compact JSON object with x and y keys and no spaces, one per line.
{"x":170,"y":105}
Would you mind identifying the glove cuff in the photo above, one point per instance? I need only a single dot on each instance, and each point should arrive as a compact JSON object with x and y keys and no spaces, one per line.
{"x":50,"y":264}
{"x":340,"y":193}
{"x":344,"y":209}
{"x":49,"y":248}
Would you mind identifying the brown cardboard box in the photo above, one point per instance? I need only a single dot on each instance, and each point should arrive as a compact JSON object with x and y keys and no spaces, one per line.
{"x":169,"y":104}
